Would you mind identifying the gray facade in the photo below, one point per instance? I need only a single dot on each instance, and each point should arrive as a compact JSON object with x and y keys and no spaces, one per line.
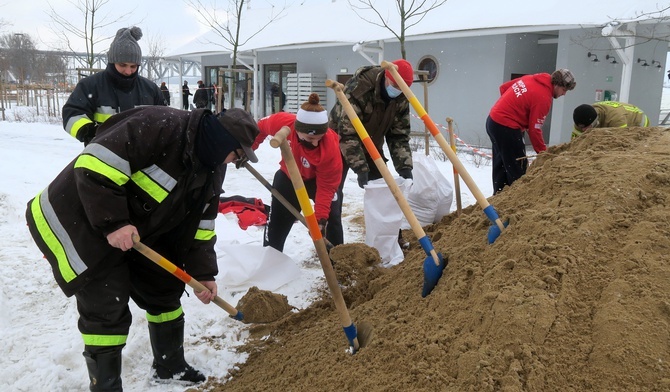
{"x":472,"y":67}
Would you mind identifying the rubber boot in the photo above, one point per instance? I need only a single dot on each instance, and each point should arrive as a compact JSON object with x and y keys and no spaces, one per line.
{"x":104,"y":368}
{"x":167,"y":344}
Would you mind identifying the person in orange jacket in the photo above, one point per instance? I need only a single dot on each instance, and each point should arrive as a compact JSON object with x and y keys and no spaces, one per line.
{"x":316,"y":150}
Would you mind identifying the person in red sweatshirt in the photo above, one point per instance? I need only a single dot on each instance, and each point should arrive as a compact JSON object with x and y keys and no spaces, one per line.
{"x":522,"y":107}
{"x":316,"y":150}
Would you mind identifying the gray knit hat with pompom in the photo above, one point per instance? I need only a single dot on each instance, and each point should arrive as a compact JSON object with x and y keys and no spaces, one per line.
{"x":124,"y":48}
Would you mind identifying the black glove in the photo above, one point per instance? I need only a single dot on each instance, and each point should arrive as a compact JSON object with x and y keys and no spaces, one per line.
{"x":362,"y":179}
{"x":405,"y":173}
{"x":87,"y":133}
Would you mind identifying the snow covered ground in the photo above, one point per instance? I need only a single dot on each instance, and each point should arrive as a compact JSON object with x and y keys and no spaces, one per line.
{"x":41,"y":346}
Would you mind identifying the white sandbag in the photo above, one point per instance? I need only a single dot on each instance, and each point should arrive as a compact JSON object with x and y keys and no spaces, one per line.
{"x":431,"y":194}
{"x":245,"y":266}
{"x":383,"y":217}
{"x":228,"y":231}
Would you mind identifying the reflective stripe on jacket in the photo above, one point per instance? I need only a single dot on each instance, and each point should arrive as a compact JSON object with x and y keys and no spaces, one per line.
{"x":95,"y":99}
{"x":140,"y":170}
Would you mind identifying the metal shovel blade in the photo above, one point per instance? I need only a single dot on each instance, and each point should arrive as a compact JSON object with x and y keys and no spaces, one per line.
{"x":431,"y":274}
{"x":494,"y":232}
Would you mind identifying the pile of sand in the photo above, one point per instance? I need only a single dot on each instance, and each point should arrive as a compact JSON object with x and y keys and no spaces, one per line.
{"x":573,"y":296}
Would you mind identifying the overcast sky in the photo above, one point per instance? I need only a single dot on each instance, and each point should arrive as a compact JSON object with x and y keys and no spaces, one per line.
{"x":171,"y":22}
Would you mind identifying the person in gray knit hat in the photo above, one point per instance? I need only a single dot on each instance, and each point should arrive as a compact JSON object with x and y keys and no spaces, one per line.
{"x":119,"y":87}
{"x":124,"y":48}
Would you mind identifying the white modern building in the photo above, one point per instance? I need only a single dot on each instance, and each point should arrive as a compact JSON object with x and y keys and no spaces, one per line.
{"x":617,"y":50}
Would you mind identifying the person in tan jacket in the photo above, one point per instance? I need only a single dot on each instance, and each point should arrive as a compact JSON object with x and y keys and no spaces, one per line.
{"x":607,"y":114}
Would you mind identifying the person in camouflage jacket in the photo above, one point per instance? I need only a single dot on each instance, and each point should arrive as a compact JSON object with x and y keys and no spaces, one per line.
{"x":384,"y":112}
{"x":153,"y":172}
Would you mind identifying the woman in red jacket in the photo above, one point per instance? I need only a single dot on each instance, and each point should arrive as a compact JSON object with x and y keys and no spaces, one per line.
{"x":316,"y":150}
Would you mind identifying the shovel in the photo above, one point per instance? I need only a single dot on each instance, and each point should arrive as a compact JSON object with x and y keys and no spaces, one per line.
{"x":279,"y":141}
{"x":183,"y":276}
{"x":457,"y":182}
{"x":491,"y":213}
{"x":433,"y":265}
{"x":281,"y":199}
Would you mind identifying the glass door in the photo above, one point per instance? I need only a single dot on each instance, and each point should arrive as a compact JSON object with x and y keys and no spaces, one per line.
{"x":275,"y":86}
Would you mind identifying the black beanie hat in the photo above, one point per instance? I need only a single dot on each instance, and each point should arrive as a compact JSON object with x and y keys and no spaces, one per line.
{"x":124,"y":48}
{"x":584,"y":115}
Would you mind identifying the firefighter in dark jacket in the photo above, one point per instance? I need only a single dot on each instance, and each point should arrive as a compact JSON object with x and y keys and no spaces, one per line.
{"x":155,"y":172}
{"x":119,"y":87}
{"x":384,"y":111}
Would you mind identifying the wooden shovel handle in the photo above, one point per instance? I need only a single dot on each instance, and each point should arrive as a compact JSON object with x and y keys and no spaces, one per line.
{"x":381,"y":166}
{"x":392,"y":68}
{"x":457,"y":182}
{"x":281,"y":198}
{"x":279,"y":141}
{"x":180,"y":274}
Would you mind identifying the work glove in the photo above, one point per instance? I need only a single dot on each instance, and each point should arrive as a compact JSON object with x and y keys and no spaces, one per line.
{"x":362,"y":179}
{"x":240,"y":162}
{"x":405,"y":173}
{"x":87,"y":133}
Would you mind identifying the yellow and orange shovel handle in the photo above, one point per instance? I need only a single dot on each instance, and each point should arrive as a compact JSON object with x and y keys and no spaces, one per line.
{"x":430,"y":124}
{"x":279,"y":141}
{"x":386,"y":174}
{"x":183,"y":276}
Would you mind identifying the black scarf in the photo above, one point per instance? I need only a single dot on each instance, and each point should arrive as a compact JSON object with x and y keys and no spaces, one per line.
{"x":123,"y":83}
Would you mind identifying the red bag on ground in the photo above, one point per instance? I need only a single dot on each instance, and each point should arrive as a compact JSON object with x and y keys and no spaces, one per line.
{"x":250,"y":211}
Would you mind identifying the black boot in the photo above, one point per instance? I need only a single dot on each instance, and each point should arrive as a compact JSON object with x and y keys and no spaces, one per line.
{"x":167,"y":344}
{"x":104,"y":368}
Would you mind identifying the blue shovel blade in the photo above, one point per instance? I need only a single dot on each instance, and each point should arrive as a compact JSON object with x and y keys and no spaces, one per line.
{"x":494,"y":232}
{"x":431,"y":274}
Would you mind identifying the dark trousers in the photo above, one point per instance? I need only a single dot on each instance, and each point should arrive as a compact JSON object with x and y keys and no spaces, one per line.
{"x":103,"y":302}
{"x":184,"y":101}
{"x":335,"y":231}
{"x":509,"y":154}
{"x":281,"y":220}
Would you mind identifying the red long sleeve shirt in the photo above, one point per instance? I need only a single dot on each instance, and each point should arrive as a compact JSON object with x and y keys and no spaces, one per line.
{"x":524,"y":104}
{"x":323,"y":163}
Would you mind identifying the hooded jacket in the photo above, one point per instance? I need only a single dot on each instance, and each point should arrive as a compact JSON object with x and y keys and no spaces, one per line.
{"x":524,"y":104}
{"x":140,"y":169}
{"x":383,"y":119}
{"x":99,"y":96}
{"x":323,"y":162}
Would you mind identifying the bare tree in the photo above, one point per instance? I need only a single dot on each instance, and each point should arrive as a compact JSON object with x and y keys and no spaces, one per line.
{"x":91,"y":29}
{"x":21,"y":55}
{"x":411,"y":13}
{"x":658,"y":30}
{"x":228,"y":28}
{"x":156,"y":51}
{"x":50,"y":67}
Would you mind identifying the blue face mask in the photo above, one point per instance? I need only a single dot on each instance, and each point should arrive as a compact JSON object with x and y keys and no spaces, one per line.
{"x":392,"y":91}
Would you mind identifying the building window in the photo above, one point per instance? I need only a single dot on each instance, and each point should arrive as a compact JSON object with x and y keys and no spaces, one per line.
{"x":429,"y":64}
